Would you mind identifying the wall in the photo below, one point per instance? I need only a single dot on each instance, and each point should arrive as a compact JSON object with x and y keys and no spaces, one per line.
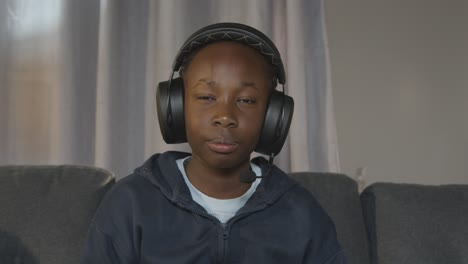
{"x":400,"y":84}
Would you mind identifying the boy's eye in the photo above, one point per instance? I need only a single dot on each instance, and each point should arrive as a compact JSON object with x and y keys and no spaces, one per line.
{"x":206,"y":98}
{"x":246,"y":101}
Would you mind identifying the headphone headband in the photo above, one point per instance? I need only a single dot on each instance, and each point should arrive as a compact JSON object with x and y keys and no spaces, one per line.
{"x":232,"y":32}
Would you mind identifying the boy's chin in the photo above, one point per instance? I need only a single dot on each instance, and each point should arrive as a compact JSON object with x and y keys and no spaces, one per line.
{"x":227,"y":161}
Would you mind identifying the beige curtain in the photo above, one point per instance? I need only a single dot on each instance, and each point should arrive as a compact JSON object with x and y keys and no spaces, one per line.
{"x":78,"y":78}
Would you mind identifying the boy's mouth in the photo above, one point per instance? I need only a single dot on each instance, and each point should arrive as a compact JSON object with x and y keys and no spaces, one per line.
{"x":223,"y":145}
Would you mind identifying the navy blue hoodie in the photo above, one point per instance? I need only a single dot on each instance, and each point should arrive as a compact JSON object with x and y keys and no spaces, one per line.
{"x":150,"y":217}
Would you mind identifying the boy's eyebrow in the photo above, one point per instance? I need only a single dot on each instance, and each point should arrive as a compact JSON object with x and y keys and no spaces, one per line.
{"x":249,"y":84}
{"x":209,"y":82}
{"x":212,"y":83}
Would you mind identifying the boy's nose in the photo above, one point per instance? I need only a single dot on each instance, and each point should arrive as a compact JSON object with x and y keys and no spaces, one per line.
{"x":225,"y":121}
{"x":225,"y":116}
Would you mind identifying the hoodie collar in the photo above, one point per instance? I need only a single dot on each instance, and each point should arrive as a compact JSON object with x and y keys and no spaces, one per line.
{"x":162,"y":171}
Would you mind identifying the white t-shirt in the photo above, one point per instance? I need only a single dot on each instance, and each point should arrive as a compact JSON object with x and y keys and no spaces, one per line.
{"x":223,"y":209}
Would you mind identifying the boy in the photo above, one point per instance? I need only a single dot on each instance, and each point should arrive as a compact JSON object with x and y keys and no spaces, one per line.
{"x":193,"y":208}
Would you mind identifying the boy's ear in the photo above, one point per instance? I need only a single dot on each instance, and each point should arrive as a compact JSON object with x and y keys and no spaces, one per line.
{"x":170,"y":106}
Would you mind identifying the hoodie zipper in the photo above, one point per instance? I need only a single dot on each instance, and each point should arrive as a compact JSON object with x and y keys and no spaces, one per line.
{"x":223,"y":238}
{"x":223,"y":243}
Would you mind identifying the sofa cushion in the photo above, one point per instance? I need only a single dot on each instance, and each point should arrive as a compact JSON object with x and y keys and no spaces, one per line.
{"x":46,"y":210}
{"x":338,"y":195}
{"x":409,"y":223}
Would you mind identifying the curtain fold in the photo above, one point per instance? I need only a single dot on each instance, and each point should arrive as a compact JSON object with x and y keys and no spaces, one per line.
{"x":78,"y":78}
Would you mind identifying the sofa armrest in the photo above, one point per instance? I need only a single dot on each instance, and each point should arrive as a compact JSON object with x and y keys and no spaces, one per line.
{"x":410,"y":223}
{"x":46,"y":210}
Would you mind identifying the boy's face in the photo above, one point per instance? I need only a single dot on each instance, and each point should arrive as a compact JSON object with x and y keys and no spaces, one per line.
{"x":227,"y":87}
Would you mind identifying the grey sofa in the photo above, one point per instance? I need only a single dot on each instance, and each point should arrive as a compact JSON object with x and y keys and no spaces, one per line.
{"x":338,"y":195}
{"x":403,"y":223}
{"x":411,"y":223}
{"x":46,"y":210}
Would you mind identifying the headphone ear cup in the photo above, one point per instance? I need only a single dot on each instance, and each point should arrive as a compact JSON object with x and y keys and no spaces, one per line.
{"x":170,"y":106}
{"x":276,"y":125}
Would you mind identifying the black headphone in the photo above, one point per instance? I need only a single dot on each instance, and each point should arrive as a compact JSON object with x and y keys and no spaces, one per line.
{"x":170,"y":94}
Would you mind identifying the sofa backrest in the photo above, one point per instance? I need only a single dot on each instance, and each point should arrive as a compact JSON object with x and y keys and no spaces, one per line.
{"x":46,"y":210}
{"x":409,"y":223}
{"x":338,"y":194}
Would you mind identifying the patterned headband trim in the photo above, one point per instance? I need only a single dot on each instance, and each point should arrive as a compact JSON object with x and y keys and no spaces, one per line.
{"x":229,"y":35}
